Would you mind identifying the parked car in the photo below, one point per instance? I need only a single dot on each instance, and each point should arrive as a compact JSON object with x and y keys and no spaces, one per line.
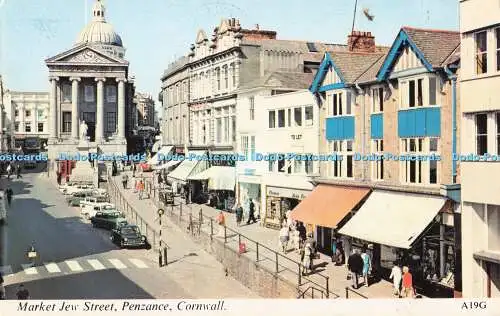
{"x":94,"y":199}
{"x":89,"y":211}
{"x":145,"y":167}
{"x":77,"y":188}
{"x":129,"y":236}
{"x":108,"y":220}
{"x":76,"y":198}
{"x":3,"y":208}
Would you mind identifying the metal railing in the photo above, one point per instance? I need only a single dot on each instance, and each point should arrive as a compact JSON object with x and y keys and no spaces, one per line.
{"x":198,"y":223}
{"x":348,"y":289}
{"x":312,"y":291}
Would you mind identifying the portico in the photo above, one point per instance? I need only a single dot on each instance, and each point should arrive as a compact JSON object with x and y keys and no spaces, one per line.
{"x":90,"y":83}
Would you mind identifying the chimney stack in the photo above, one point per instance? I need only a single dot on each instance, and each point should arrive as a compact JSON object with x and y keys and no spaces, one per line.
{"x":363,"y":42}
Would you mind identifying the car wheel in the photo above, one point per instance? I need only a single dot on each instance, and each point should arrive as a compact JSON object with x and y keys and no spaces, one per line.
{"x":147,"y":246}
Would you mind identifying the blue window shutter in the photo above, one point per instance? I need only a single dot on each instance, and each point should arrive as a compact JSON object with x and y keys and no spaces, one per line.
{"x":433,"y":122}
{"x":420,"y":124}
{"x":377,"y":126}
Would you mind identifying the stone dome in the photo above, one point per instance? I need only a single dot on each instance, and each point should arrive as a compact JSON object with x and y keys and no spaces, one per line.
{"x":98,"y":31}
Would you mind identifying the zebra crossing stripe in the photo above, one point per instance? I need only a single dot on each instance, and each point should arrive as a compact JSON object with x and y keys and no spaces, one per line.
{"x":138,"y":263}
{"x":29,"y":269}
{"x":52,"y":268}
{"x":117,"y":263}
{"x":6,"y":270}
{"x":73,"y":265}
{"x":96,"y":264}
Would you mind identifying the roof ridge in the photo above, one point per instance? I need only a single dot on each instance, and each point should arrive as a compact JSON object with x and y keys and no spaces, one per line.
{"x":429,"y":30}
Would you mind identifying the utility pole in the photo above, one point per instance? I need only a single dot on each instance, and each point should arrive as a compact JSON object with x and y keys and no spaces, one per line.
{"x":162,"y":249}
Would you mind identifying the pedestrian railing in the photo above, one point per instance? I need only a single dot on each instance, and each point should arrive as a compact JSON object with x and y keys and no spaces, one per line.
{"x":311,"y":292}
{"x":349,"y":290}
{"x":197,"y":223}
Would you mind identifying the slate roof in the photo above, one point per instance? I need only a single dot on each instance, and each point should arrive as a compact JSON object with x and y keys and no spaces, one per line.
{"x":436,"y":45}
{"x":281,"y":79}
{"x":352,"y":65}
{"x":370,"y":75}
{"x":176,"y":65}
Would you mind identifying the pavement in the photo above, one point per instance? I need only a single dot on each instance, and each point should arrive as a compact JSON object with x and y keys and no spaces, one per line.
{"x":77,"y":261}
{"x":249,"y":234}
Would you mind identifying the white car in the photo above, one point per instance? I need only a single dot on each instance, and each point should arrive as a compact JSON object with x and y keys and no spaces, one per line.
{"x":95,"y":199}
{"x":89,"y":211}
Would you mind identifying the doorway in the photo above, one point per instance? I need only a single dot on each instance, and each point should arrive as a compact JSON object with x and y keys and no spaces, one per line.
{"x":89,"y":118}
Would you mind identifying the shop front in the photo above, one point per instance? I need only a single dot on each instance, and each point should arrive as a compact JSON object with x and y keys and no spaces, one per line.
{"x":249,"y":189}
{"x":410,"y":230}
{"x":278,"y":202}
{"x":178,"y":178}
{"x":218,"y":182}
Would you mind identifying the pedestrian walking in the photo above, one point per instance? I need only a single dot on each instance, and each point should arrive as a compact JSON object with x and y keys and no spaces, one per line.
{"x":251,"y":213}
{"x":141,"y":189}
{"x":9,"y":171}
{"x":186,"y":193}
{"x":134,"y":169}
{"x":125,"y":180}
{"x":59,"y":178}
{"x":22,"y":293}
{"x":367,"y":265}
{"x":355,"y":266}
{"x":334,"y":248}
{"x":307,"y":259}
{"x":295,"y":238}
{"x":2,"y":288}
{"x":396,"y":276}
{"x":239,"y":214}
{"x":408,"y":290}
{"x":302,"y":234}
{"x":221,"y":220}
{"x":284,"y":237}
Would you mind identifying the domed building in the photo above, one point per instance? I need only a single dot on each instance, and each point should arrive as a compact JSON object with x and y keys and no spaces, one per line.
{"x":91,"y":97}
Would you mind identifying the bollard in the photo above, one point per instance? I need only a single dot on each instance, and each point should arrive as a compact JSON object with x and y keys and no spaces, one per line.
{"x":165,"y":255}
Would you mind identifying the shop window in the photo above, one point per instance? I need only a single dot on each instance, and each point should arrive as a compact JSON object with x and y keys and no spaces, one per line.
{"x":378,"y":165}
{"x":309,"y":115}
{"x":272,"y":119}
{"x":40,"y":127}
{"x":481,"y":134}
{"x":281,"y":165}
{"x":297,"y":116}
{"x":281,"y":118}
{"x":481,"y":40}
{"x":66,"y":120}
{"x":378,"y":100}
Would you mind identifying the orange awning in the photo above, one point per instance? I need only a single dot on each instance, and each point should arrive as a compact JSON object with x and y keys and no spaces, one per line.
{"x":327,"y":205}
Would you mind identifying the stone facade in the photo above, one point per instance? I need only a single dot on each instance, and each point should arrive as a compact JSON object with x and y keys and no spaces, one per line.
{"x":145,"y":109}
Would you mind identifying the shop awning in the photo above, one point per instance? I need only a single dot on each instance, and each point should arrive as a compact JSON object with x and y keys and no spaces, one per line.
{"x":188,"y":167}
{"x":165,"y":150}
{"x":219,"y":178}
{"x":394,"y":219}
{"x":327,"y":205}
{"x":167,"y":165}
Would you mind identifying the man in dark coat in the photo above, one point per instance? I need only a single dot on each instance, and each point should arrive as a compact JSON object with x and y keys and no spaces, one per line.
{"x":355,"y":266}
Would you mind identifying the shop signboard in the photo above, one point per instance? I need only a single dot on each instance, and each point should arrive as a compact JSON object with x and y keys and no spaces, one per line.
{"x":287,"y":193}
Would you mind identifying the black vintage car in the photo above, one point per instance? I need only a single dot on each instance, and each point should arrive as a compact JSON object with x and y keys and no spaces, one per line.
{"x":129,"y":236}
{"x":108,"y":220}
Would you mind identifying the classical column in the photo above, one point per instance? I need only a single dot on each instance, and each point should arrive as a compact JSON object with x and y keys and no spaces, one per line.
{"x":53,"y":108}
{"x":100,"y":110}
{"x":74,"y":108}
{"x":121,"y":108}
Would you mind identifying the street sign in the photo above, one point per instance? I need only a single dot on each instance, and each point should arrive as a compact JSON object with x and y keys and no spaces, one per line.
{"x":161,"y":212}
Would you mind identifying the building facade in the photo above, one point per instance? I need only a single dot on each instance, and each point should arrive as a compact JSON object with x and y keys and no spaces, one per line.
{"x":378,"y":108}
{"x":90,"y":84}
{"x":480,"y":106}
{"x":145,"y":109}
{"x":6,"y":131}
{"x":28,"y":113}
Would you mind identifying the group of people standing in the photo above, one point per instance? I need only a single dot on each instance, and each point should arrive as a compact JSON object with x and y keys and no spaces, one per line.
{"x":238,"y":211}
{"x":402,"y":281}
{"x":12,"y":169}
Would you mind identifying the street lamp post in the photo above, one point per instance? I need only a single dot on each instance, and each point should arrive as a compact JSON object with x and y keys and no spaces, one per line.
{"x":162,"y":252}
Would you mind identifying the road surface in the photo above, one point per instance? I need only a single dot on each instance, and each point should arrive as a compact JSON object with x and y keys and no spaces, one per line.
{"x":78,"y":261}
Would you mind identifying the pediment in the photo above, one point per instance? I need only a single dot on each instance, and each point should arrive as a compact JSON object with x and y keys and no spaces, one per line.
{"x":85,"y":55}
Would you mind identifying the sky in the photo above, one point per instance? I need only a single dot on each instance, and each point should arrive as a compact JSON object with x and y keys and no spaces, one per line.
{"x":156,"y":32}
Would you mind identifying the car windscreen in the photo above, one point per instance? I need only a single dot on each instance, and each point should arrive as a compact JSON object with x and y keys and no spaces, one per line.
{"x":130,"y":230}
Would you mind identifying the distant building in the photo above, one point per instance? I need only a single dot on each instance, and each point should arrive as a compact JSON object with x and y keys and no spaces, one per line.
{"x":5,"y":130}
{"x":27,"y":114}
{"x":145,"y":109}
